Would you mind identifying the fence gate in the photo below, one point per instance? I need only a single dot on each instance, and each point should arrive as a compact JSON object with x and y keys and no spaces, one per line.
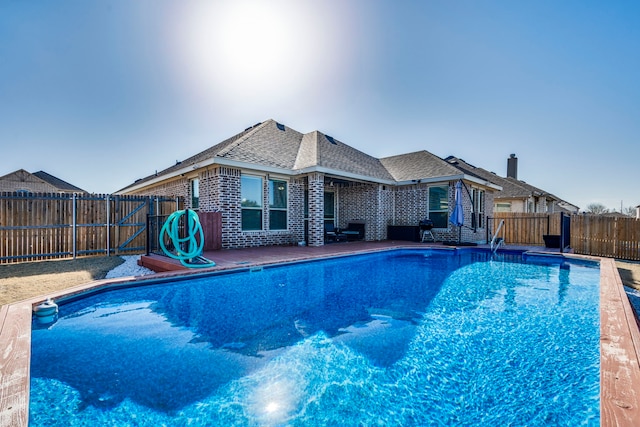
{"x":48,"y":226}
{"x":130,"y":223}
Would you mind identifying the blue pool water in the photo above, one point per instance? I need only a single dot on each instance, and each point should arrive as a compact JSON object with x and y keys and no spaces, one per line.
{"x":401,"y":338}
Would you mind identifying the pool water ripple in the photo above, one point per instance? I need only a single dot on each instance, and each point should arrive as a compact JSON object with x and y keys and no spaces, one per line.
{"x":423,"y":340}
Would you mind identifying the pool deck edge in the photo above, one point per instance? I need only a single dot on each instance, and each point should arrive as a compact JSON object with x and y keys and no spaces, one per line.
{"x":15,"y":347}
{"x":619,"y":352}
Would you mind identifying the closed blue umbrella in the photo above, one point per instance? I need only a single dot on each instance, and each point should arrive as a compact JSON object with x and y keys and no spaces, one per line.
{"x":457,"y":216}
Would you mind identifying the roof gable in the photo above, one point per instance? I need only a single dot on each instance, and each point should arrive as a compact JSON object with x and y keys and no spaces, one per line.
{"x":273,"y":146}
{"x":38,"y":182}
{"x":418,"y":165}
{"x":268,"y":144}
{"x":335,"y":155}
{"x":57,"y":182}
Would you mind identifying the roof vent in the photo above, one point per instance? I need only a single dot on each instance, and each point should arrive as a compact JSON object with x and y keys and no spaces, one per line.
{"x":331,"y":140}
{"x":280,"y":126}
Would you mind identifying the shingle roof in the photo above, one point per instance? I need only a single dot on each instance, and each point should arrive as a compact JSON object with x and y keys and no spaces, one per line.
{"x":273,"y":145}
{"x":334,"y":154}
{"x":511,"y":188}
{"x":57,"y":182}
{"x":418,"y":165}
{"x":268,"y":144}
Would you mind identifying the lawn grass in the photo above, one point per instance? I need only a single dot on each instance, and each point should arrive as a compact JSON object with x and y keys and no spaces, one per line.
{"x":31,"y":279}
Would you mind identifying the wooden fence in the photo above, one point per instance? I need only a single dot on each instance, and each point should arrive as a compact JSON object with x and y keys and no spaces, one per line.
{"x":524,"y":229}
{"x":47,"y":226}
{"x":597,"y":235}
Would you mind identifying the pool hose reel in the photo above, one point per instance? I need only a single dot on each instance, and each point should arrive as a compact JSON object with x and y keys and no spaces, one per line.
{"x":187,"y":249}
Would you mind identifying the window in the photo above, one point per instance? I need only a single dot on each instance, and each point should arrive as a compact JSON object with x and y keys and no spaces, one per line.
{"x":478,"y":207}
{"x":277,"y":205}
{"x":195,"y":193}
{"x":439,"y":206}
{"x":503,"y":207}
{"x":251,"y":202}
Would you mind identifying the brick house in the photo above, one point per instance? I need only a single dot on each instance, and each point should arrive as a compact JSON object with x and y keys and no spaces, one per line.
{"x":516,"y":196}
{"x":37,"y":182}
{"x":276,"y":186}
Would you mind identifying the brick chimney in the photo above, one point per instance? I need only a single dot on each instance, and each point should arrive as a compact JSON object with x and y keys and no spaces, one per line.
{"x":512,"y":167}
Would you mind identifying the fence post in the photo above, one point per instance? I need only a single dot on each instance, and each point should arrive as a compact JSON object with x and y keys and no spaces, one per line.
{"x":74,"y":225}
{"x":549,"y":223}
{"x":108,"y":200}
{"x":561,"y":232}
{"x":148,"y":240}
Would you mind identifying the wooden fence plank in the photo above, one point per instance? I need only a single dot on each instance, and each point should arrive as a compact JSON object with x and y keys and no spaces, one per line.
{"x":597,"y":235}
{"x":40,"y":226}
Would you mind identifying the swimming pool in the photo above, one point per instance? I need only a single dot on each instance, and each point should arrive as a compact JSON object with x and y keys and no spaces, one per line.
{"x":410,"y":337}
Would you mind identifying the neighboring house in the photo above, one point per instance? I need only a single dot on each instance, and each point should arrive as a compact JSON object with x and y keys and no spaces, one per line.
{"x":516,"y":195}
{"x":276,"y":186}
{"x":38,"y":182}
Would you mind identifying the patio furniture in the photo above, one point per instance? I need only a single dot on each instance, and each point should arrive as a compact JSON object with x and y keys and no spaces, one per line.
{"x":551,"y":240}
{"x":404,"y":232}
{"x":354,"y":231}
{"x":331,"y":234}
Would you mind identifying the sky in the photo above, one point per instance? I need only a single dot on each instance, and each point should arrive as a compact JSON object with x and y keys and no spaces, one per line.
{"x":102,"y":93}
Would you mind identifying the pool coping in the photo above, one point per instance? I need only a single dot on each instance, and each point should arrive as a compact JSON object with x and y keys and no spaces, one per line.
{"x":619,"y":343}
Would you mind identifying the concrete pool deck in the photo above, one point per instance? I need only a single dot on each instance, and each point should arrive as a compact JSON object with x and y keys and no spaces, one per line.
{"x":619,"y":333}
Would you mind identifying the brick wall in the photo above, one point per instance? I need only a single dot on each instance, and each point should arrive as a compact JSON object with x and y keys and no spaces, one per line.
{"x":411,"y":206}
{"x":175,"y":188}
{"x":316,"y":209}
{"x":26,"y":182}
{"x":368,"y":203}
{"x":296,"y":208}
{"x":374,"y":204}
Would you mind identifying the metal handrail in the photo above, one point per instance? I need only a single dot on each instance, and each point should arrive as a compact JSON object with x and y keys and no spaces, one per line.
{"x":495,"y":237}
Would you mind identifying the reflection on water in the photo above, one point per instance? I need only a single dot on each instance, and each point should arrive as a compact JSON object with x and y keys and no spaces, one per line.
{"x":169,"y":346}
{"x":137,"y":343}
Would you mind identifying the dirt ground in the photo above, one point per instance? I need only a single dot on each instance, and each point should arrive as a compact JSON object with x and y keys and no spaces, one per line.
{"x":629,"y":273}
{"x":26,"y":280}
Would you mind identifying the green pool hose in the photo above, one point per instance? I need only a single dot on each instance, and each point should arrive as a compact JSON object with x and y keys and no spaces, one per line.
{"x":187,"y":249}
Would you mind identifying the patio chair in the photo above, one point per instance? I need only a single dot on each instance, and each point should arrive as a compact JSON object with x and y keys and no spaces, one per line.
{"x":354,"y":231}
{"x":333,"y":235}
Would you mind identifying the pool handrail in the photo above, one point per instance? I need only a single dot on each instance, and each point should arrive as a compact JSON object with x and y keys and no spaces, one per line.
{"x":497,"y":241}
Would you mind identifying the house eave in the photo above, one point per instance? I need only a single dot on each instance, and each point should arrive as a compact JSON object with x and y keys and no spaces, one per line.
{"x":342,"y":174}
{"x":189,"y":169}
{"x":463,"y":177}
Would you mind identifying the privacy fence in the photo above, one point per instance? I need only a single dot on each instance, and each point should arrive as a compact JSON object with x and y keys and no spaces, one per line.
{"x":47,"y":226}
{"x":597,"y":235}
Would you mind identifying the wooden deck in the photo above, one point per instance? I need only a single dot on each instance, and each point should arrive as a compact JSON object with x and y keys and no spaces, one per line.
{"x":619,"y":334}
